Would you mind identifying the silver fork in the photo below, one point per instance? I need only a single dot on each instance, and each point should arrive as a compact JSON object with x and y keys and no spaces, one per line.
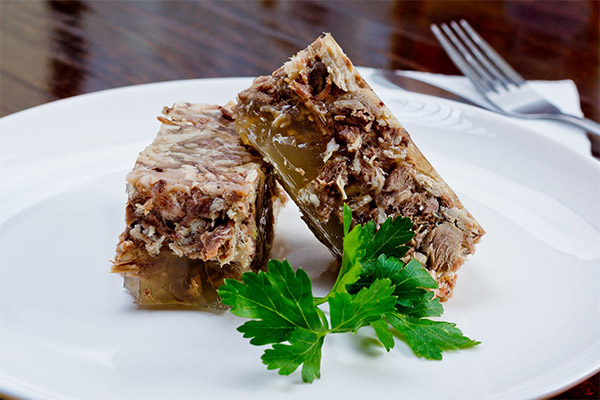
{"x":505,"y":90}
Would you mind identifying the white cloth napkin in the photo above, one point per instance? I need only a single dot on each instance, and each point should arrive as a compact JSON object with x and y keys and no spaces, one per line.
{"x":563,"y":94}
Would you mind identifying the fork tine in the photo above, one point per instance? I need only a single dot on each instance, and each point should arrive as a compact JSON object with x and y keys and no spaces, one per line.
{"x":485,"y":76}
{"x":485,"y":63}
{"x":459,"y":61}
{"x":508,"y":71}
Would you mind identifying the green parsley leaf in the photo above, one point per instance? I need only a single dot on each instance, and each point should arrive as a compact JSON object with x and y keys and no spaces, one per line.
{"x":304,"y":349}
{"x":279,"y":299}
{"x":349,"y":313}
{"x":388,"y":239}
{"x":283,"y":309}
{"x":429,"y":338}
{"x":410,"y":282}
{"x":347,"y":219}
{"x":385,"y":336}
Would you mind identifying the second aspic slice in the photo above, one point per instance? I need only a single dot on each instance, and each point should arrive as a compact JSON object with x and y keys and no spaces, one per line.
{"x":332,"y":141}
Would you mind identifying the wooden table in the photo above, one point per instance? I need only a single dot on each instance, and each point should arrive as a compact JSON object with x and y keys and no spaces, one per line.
{"x":56,"y":49}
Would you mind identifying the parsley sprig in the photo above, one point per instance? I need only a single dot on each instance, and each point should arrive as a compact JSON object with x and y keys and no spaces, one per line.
{"x":373,"y":288}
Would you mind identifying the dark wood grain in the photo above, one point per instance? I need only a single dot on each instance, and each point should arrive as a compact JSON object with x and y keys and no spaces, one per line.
{"x":51,"y":50}
{"x":56,"y":49}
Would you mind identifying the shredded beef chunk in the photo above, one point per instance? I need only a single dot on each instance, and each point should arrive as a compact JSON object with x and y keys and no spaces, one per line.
{"x":200,"y":209}
{"x":331,"y":141}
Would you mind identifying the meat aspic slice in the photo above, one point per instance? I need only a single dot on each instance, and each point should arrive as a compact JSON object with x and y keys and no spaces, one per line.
{"x":331,"y":141}
{"x":200,"y":209}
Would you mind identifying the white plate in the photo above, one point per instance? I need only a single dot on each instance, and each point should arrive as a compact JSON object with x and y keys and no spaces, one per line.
{"x":69,"y":330}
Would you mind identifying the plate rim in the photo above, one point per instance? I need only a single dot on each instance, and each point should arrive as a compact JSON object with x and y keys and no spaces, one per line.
{"x":363,"y":71}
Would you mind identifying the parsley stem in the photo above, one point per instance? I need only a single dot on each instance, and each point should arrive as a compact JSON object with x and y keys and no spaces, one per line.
{"x":320,"y":300}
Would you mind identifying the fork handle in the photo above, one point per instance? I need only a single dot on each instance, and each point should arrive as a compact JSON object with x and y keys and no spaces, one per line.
{"x":584,"y":123}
